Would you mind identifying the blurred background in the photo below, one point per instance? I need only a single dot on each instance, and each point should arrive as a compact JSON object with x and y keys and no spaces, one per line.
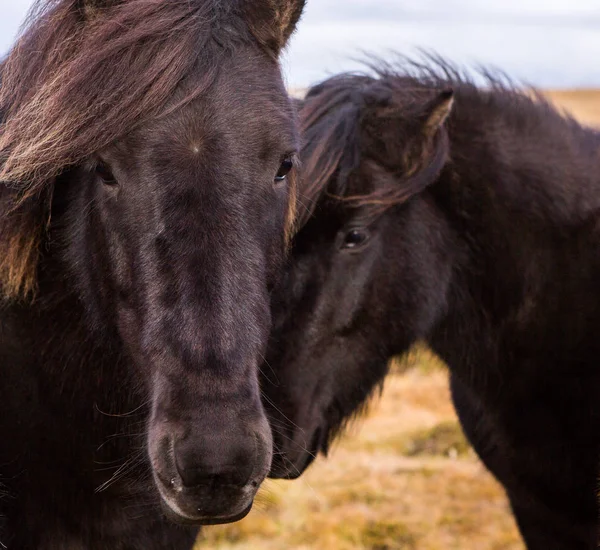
{"x":549,"y":43}
{"x":404,"y":478}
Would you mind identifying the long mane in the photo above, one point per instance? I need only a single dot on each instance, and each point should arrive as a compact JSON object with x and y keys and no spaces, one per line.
{"x":78,"y":79}
{"x":332,"y":112}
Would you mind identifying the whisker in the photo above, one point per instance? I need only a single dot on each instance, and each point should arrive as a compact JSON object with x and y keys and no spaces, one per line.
{"x":264,"y":396}
{"x":130,"y":463}
{"x":271,"y":369}
{"x":123,"y":415}
{"x":115,"y":436}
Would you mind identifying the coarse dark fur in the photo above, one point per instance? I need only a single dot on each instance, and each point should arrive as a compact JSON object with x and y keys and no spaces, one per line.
{"x":467,"y":217}
{"x":146,"y":161}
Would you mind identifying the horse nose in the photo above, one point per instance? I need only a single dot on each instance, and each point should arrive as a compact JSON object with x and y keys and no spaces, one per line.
{"x":213,"y":463}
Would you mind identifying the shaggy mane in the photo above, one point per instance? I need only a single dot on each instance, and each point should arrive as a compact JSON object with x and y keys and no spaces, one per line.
{"x":332,"y":111}
{"x":78,"y":79}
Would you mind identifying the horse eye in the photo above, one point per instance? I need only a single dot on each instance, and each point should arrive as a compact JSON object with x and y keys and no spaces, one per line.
{"x":355,"y":238}
{"x":284,"y":170}
{"x":104,"y":172}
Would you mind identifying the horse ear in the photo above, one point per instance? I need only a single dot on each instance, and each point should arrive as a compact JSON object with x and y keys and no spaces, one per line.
{"x":427,"y":146}
{"x":436,"y":113}
{"x":273,"y":21}
{"x":403,"y":131}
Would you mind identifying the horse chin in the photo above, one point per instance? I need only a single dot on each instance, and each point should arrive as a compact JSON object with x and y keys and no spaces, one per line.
{"x":284,"y":473}
{"x":292,"y":464}
{"x":189,"y":515}
{"x":174,"y":514}
{"x":290,"y":471}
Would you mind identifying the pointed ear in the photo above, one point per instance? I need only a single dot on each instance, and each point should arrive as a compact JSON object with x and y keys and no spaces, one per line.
{"x":436,"y":113}
{"x":272,"y":22}
{"x":403,"y":130}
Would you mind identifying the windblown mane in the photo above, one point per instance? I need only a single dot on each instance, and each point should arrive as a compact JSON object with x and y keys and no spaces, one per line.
{"x":332,"y":112}
{"x":79,"y":78}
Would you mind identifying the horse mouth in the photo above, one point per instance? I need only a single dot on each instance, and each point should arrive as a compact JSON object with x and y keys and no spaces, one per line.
{"x":174,"y":514}
{"x":187,"y":510}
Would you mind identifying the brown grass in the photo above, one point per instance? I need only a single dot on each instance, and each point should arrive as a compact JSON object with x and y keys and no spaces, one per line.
{"x":583,"y":104}
{"x":403,"y":479}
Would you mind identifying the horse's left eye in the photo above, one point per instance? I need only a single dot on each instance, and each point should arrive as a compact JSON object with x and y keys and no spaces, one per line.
{"x":284,"y":170}
{"x":105,"y":174}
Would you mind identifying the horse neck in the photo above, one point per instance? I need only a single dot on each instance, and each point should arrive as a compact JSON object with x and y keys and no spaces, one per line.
{"x":521,"y":197}
{"x":524,"y":156}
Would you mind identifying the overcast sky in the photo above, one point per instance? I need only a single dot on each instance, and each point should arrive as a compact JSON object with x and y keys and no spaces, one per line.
{"x":550,"y":43}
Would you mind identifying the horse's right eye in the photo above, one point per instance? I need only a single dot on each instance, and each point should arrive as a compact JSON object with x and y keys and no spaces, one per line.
{"x":105,"y":174}
{"x":355,"y":238}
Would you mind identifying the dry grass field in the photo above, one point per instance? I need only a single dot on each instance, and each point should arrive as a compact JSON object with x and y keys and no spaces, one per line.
{"x":403,"y":478}
{"x":583,"y":104}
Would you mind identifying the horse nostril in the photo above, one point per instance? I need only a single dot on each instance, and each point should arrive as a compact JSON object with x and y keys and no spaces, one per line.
{"x":214,"y":463}
{"x":215,"y":476}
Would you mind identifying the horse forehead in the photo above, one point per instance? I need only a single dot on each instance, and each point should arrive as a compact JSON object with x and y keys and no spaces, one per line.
{"x":245,"y":114}
{"x":253,"y":91}
{"x":193,"y":142}
{"x":241,"y":118}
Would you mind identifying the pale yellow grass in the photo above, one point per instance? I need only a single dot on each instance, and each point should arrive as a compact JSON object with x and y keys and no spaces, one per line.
{"x":583,"y":104}
{"x":402,"y":479}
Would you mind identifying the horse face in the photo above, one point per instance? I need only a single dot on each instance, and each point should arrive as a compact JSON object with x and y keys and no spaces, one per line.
{"x":330,"y":343}
{"x":357,"y":292}
{"x":364,"y":282}
{"x":179,"y":234}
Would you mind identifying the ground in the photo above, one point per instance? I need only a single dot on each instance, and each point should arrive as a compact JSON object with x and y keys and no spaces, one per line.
{"x":583,"y":104}
{"x":403,"y":478}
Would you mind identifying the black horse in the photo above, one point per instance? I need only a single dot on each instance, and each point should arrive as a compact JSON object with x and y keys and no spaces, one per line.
{"x":145,"y":149}
{"x":467,"y":217}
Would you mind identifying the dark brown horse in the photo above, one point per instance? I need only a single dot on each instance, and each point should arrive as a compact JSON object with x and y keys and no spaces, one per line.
{"x":469,"y":218}
{"x":145,"y":149}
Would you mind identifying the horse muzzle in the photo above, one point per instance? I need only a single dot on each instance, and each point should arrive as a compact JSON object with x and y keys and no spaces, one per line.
{"x":208,"y":478}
